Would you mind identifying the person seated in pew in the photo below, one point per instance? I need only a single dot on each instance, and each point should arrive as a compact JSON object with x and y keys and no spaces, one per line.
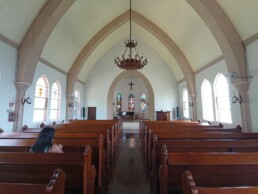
{"x":44,"y":142}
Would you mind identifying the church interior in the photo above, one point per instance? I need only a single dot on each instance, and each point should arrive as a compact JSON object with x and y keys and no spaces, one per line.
{"x":141,"y":69}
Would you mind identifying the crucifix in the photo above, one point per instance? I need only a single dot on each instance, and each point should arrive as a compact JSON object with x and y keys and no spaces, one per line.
{"x":131,"y":84}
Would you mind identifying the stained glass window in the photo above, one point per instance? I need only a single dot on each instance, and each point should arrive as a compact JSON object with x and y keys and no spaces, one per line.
{"x":143,"y":103}
{"x":131,"y":103}
{"x":118,"y":102}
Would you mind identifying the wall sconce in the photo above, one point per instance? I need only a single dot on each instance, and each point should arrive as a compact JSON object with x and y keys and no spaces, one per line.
{"x":26,"y":100}
{"x":190,"y":103}
{"x":235,"y":75}
{"x":236,"y":99}
{"x":70,"y":104}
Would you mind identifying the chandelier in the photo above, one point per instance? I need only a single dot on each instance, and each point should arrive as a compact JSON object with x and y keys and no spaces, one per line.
{"x":133,"y":61}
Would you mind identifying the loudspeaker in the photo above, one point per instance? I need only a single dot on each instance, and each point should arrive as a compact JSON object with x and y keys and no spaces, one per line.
{"x":83,"y":112}
{"x":177,"y":112}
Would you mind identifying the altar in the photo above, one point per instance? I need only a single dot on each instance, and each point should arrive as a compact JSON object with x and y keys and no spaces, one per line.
{"x":126,"y":115}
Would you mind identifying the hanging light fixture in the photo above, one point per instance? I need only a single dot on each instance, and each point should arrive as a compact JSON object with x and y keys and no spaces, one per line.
{"x":131,"y":62}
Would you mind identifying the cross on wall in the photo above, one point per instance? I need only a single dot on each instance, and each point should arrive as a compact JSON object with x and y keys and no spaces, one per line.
{"x":131,"y":84}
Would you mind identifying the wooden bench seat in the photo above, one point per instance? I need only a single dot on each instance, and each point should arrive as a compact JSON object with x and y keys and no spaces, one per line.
{"x":197,"y":145}
{"x":189,"y":187}
{"x":207,"y":131}
{"x":56,"y":185}
{"x":107,"y":133}
{"x":209,"y":169}
{"x":173,"y":124}
{"x":36,"y":168}
{"x":70,"y":145}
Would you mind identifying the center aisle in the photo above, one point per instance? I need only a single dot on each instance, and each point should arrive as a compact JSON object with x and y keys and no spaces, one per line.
{"x":128,"y":174}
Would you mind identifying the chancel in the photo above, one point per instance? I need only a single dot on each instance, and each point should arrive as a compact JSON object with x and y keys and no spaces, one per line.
{"x":126,"y":85}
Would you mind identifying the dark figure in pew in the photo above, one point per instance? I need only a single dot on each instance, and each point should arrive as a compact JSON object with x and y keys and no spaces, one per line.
{"x":44,"y":142}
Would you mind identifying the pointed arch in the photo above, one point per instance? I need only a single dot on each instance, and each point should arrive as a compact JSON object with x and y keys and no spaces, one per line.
{"x":77,"y":106}
{"x":186,"y":111}
{"x":207,"y":101}
{"x":111,"y":90}
{"x":148,"y":25}
{"x":41,"y":99}
{"x":222,"y":99}
{"x":55,"y":101}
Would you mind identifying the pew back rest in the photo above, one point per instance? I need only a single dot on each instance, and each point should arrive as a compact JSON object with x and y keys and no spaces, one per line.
{"x":223,"y":169}
{"x":38,"y":167}
{"x":189,"y":187}
{"x":56,"y":185}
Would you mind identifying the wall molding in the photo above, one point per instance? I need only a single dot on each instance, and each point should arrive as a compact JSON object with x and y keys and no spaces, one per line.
{"x":8,"y":41}
{"x":251,"y":39}
{"x":51,"y":65}
{"x":213,"y":62}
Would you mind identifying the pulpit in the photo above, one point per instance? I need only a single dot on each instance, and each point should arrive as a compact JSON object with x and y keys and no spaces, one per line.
{"x":163,"y":115}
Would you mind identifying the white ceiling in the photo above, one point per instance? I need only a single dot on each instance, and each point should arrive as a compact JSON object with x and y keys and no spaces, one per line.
{"x":85,"y":18}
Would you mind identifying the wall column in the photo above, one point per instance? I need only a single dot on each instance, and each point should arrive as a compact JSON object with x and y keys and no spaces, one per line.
{"x":69,"y":107}
{"x":21,"y":88}
{"x":243,"y":88}
{"x":194,"y":110}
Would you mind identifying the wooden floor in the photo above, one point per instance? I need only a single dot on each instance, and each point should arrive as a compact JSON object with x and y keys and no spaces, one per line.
{"x":128,"y":175}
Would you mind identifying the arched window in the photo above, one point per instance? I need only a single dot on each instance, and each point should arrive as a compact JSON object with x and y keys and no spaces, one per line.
{"x":143,"y":103}
{"x":222,"y":99}
{"x":55,"y":101}
{"x":77,"y":112}
{"x":118,"y":103}
{"x":131,"y":103}
{"x":41,"y":98}
{"x":185,"y":103}
{"x":207,"y":101}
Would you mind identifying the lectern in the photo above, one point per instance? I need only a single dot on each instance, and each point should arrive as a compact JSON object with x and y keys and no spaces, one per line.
{"x":163,"y":115}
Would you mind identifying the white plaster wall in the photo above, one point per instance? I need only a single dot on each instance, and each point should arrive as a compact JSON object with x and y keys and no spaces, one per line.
{"x":52,"y":76}
{"x":252,"y":61}
{"x":159,"y":75}
{"x":8,"y":60}
{"x":210,"y":74}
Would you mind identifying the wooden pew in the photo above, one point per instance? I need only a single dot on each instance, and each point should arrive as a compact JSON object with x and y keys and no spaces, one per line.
{"x":34,"y":135}
{"x":107,"y":133}
{"x":144,"y":125}
{"x":148,"y":138}
{"x":198,"y":145}
{"x":118,"y":123}
{"x":35,"y":168}
{"x":189,"y":187}
{"x":210,"y":169}
{"x":14,"y":143}
{"x":56,"y":185}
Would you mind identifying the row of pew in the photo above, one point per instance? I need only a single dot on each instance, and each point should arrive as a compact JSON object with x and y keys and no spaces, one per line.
{"x":189,"y":157}
{"x":89,"y":149}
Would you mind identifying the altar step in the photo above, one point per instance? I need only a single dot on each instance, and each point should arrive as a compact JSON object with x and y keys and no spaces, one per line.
{"x":129,"y":126}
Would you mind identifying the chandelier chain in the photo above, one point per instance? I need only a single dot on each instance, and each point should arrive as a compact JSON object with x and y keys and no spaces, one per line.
{"x":131,"y":63}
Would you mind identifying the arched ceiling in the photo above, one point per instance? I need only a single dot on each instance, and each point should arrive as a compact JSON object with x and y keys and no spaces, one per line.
{"x":85,"y":18}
